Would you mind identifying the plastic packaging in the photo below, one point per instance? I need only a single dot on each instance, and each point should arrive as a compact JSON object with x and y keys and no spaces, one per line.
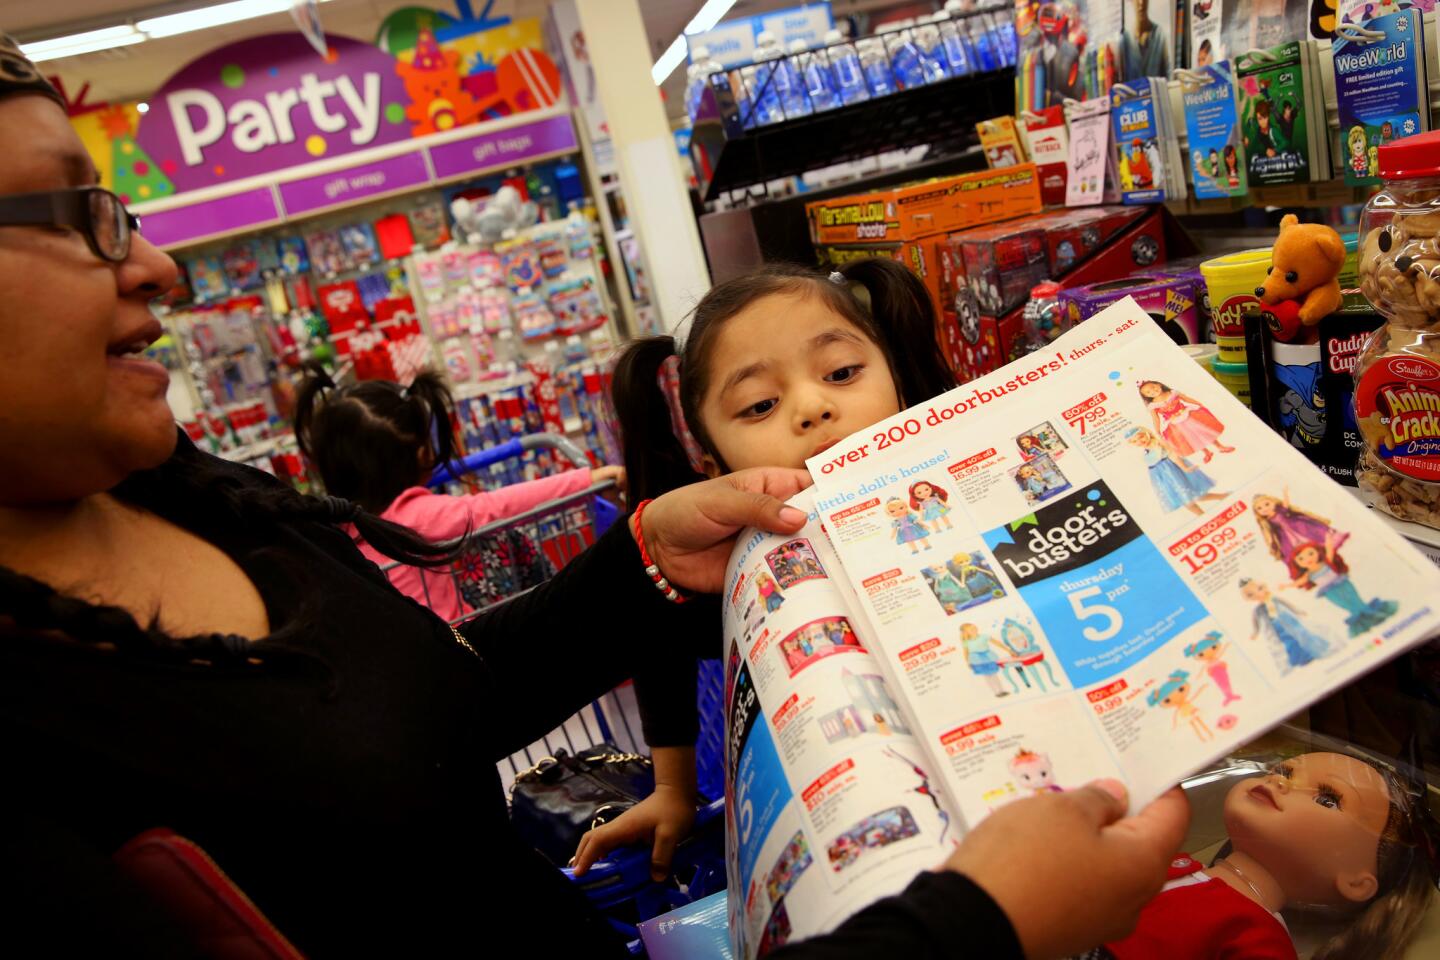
{"x":932,"y":50}
{"x":905,"y":60}
{"x":791,"y":83}
{"x":875,"y":65}
{"x":845,"y":68}
{"x":955,"y":41}
{"x":816,"y":77}
{"x":1397,"y":376}
{"x":701,"y":70}
{"x":1045,"y":317}
{"x":1007,"y":46}
{"x":765,"y":86}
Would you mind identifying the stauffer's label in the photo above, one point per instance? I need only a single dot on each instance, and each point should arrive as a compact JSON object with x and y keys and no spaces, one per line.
{"x":1401,"y":395}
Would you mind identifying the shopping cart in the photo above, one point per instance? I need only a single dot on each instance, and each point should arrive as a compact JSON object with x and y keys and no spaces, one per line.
{"x":558,"y":531}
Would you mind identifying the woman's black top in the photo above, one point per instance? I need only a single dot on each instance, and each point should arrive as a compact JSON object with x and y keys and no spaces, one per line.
{"x":354,"y":797}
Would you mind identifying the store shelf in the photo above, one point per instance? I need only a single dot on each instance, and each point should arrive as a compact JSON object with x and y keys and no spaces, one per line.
{"x":942,"y":115}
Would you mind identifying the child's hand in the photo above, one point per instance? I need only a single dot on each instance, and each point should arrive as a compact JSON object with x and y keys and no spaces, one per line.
{"x":1069,"y":869}
{"x":605,"y":474}
{"x":666,"y":816}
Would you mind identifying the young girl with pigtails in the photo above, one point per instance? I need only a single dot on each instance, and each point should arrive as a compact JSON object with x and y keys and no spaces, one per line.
{"x":778,"y":365}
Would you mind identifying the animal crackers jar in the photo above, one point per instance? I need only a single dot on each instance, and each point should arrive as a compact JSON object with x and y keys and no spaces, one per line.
{"x":1397,"y":377}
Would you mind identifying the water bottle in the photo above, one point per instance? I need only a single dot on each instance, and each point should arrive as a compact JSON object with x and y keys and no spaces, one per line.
{"x":697,"y":76}
{"x":765,"y":93}
{"x":845,"y":68}
{"x":815,"y":76}
{"x":955,"y":38}
{"x":982,"y":33}
{"x":875,"y":66}
{"x":794,"y":101}
{"x":1007,"y":48}
{"x":932,"y":51}
{"x":905,"y":60}
{"x":744,"y":102}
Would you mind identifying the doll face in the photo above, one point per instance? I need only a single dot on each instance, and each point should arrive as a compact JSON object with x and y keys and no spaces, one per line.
{"x":1256,"y":592}
{"x":895,"y":508}
{"x":923,"y":491}
{"x":1034,"y":772}
{"x":961,"y":559}
{"x":1026,"y":473}
{"x":1141,"y":438}
{"x":1314,"y":822}
{"x":1307,"y":558}
{"x":968,"y":631}
{"x":1208,"y":655}
{"x":1150,"y":390}
{"x":1265,"y":506}
{"x":1177,"y":696}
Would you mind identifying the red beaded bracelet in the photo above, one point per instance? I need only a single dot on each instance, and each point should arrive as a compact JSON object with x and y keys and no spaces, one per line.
{"x":661,"y":584}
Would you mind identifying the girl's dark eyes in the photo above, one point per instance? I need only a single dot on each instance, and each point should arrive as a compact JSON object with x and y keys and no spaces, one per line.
{"x":758,"y":409}
{"x":843,"y":374}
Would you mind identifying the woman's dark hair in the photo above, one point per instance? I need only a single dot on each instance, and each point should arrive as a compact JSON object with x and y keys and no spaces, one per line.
{"x":375,"y":439}
{"x":879,"y":296}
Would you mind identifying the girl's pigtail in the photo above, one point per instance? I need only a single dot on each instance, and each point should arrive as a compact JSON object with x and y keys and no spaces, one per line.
{"x":307,"y":401}
{"x":905,"y":319}
{"x":655,"y":459}
{"x":437,"y":409}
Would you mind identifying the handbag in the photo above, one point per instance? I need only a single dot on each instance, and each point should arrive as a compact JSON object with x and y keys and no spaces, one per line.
{"x":556,"y":801}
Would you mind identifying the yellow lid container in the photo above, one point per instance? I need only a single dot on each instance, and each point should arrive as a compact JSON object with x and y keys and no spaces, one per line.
{"x":1231,"y":281}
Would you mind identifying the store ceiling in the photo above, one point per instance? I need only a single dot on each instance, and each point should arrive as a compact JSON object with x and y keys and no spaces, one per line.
{"x":134,"y":72}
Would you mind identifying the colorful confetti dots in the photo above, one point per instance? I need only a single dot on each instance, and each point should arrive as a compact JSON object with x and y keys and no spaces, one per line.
{"x":144,"y":190}
{"x":169,"y":166}
{"x":232,"y":76}
{"x":315,"y":145}
{"x":127,"y":147}
{"x":219,"y":169}
{"x":142,"y":168}
{"x":394,"y":113}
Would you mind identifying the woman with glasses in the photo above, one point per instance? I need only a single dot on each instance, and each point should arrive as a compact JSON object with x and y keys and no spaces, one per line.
{"x":190,"y":644}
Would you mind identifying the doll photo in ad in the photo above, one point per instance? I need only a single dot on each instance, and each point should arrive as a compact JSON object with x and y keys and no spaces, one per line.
{"x":873,"y":832}
{"x":1039,"y":479}
{"x":816,"y":640}
{"x":870,"y":709}
{"x":794,"y":562}
{"x":1004,"y":651}
{"x":967,"y":579}
{"x":1040,"y":440}
{"x":794,"y":860}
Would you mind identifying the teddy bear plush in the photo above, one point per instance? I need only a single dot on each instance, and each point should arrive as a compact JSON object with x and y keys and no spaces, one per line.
{"x":1303,"y":283}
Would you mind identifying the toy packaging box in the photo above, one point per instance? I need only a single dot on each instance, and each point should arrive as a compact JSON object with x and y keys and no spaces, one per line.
{"x":1071,"y":236}
{"x":1002,"y":262}
{"x":925,"y":209}
{"x":1170,"y":302}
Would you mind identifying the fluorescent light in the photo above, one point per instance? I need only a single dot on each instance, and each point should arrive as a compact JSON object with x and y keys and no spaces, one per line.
{"x":674,"y":55}
{"x":213,"y":16}
{"x":709,"y":15}
{"x":77,"y":43}
{"x":668,"y":61}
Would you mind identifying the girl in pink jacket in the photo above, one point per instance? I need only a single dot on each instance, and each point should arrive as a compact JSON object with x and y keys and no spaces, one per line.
{"x":376,"y":443}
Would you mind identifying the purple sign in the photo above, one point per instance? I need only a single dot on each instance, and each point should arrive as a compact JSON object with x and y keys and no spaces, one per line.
{"x":269,"y":103}
{"x":502,"y":148}
{"x":251,"y":208}
{"x":354,"y":183}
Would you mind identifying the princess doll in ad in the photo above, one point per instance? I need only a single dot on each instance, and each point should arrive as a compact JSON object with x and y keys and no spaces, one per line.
{"x":1175,"y":693}
{"x":1322,"y":831}
{"x":1284,"y":527}
{"x":1176,"y":483}
{"x":907,"y":527}
{"x":1182,"y":421}
{"x":1322,"y":570}
{"x":1292,"y":642}
{"x":930,"y":500}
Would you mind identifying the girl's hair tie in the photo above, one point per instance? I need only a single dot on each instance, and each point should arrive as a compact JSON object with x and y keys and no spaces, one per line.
{"x":837,"y":277}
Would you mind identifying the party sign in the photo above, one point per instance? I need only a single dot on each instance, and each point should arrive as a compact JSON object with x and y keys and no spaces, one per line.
{"x":268,"y":103}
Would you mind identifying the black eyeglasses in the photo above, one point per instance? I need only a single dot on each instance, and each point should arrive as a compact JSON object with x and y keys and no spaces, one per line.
{"x":94,"y":211}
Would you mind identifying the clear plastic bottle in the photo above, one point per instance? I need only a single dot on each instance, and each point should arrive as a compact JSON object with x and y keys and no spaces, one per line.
{"x":955,"y":38}
{"x":745,"y":100}
{"x":695,"y":77}
{"x":845,"y":68}
{"x":1007,"y":48}
{"x":932,"y":51}
{"x":815,"y":76}
{"x":765,"y":91}
{"x":905,"y":61}
{"x":875,"y":65}
{"x":982,"y":34}
{"x":791,"y":85}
